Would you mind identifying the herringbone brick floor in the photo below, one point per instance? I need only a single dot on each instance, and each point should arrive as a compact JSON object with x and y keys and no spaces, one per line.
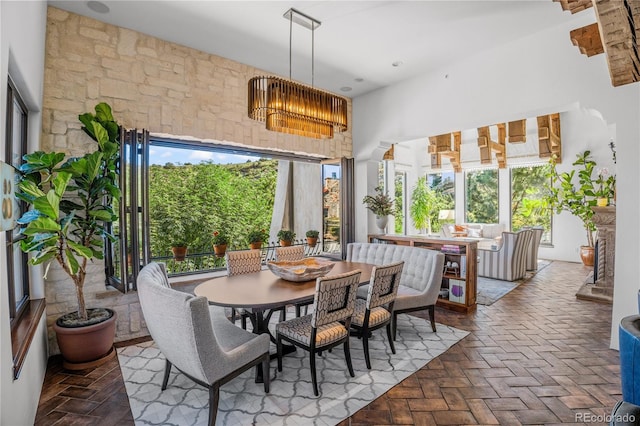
{"x":536,"y":356}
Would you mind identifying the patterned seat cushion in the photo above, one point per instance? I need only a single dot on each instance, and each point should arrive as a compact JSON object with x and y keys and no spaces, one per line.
{"x":299,"y":329}
{"x":378,"y":315}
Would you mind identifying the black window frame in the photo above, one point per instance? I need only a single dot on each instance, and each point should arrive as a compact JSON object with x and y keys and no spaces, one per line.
{"x":16,"y":308}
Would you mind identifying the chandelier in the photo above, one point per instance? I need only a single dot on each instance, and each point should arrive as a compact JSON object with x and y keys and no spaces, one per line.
{"x":289,"y":107}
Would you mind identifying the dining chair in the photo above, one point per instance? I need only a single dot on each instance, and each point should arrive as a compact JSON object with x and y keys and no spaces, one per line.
{"x":243,"y":262}
{"x":328,"y":325}
{"x":291,"y":254}
{"x":376,"y":311}
{"x":196,"y":338}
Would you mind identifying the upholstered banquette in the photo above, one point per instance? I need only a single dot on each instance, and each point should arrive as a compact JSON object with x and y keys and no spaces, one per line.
{"x":421,"y":277}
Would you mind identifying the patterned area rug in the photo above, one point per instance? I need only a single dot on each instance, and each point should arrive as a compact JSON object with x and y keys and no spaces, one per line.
{"x":291,"y":400}
{"x":490,"y":290}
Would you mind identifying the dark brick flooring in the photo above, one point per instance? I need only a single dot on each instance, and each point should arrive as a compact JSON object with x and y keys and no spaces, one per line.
{"x":537,"y":356}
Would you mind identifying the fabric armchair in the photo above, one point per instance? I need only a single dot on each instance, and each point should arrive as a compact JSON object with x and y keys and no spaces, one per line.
{"x":508,"y":262}
{"x":532,"y":251}
{"x":197,"y":339}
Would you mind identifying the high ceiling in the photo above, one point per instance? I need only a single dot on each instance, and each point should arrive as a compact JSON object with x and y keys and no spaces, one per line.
{"x":357,"y":43}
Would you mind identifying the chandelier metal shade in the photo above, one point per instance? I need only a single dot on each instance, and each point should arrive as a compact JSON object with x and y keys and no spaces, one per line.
{"x":289,"y":107}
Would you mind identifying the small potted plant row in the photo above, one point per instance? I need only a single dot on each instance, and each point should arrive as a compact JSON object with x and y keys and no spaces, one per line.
{"x":256,"y":237}
{"x":286,"y":237}
{"x":220,"y":241}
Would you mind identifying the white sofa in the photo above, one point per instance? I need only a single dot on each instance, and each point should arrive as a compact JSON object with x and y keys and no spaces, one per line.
{"x":487,"y":234}
{"x":420,"y":280}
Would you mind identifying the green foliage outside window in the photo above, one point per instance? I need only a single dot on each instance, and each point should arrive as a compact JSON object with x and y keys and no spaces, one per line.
{"x":482,"y":196}
{"x":528,"y":205}
{"x":444,"y":185}
{"x":191,"y":201}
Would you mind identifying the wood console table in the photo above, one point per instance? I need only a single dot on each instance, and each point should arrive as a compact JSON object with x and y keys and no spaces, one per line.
{"x":460,"y":276}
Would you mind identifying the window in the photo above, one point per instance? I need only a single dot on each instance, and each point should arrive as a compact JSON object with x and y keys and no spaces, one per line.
{"x":400,"y":210}
{"x":481,"y":196}
{"x":527,"y":191}
{"x":16,"y":147}
{"x":444,"y":185}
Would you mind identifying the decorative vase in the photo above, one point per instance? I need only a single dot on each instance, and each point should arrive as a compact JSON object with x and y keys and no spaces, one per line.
{"x":587,"y":255}
{"x":312,"y":241}
{"x":602,"y":202}
{"x":179,"y":253}
{"x":285,"y":243}
{"x":86,"y":346}
{"x":220,"y":249}
{"x":255,"y":246}
{"x":381,"y":223}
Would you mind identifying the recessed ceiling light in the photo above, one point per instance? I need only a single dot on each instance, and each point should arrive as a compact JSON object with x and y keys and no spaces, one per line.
{"x":345,"y":88}
{"x":397,"y":63}
{"x":98,"y":6}
{"x":359,"y":80}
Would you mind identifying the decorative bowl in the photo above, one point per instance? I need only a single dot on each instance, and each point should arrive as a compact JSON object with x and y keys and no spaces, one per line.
{"x":305,"y":269}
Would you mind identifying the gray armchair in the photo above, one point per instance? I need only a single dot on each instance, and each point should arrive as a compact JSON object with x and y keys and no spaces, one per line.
{"x":196,"y":338}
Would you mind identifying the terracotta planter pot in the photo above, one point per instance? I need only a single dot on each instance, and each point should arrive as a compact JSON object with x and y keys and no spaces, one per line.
{"x":86,"y":346}
{"x":587,"y":255}
{"x":179,"y":253}
{"x":285,"y":243}
{"x":220,"y":249}
{"x":255,"y":246}
{"x":312,"y":241}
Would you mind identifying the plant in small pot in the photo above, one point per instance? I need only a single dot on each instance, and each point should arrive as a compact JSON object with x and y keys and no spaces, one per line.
{"x":66,"y":224}
{"x":381,"y":205}
{"x":179,"y":250}
{"x":286,"y":237}
{"x":256,"y":237}
{"x":220,"y":242}
{"x":574,"y":191}
{"x":312,"y":237}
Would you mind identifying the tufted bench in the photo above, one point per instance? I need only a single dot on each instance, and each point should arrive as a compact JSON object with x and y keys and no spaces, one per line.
{"x":420,"y":280}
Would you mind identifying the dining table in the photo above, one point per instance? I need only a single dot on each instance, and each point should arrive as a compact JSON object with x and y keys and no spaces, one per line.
{"x":262,"y":293}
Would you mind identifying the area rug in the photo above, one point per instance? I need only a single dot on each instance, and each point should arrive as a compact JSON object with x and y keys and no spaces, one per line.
{"x":291,"y":400}
{"x":490,"y":290}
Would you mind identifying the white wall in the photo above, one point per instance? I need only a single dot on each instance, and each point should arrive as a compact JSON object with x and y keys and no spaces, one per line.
{"x":22,"y":40}
{"x":542,"y":73}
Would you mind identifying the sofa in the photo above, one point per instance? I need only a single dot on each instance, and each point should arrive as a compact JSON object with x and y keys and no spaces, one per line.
{"x":487,"y":234}
{"x":420,"y":280}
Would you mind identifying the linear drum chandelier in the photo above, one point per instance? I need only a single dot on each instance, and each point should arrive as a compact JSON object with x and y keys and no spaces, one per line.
{"x":290,"y":107}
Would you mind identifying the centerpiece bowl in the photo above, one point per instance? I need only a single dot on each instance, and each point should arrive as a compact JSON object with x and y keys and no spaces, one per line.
{"x":305,"y":269}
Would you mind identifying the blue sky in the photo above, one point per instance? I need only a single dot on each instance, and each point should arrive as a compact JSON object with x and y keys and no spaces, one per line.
{"x":162,"y":155}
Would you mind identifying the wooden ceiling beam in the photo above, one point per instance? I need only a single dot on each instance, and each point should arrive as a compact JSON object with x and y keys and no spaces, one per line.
{"x":587,"y":39}
{"x":575,"y":6}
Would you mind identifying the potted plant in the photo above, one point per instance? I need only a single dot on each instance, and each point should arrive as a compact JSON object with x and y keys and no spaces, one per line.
{"x":179,"y":250}
{"x":312,"y":237}
{"x":286,"y":237}
{"x":381,"y":205}
{"x":66,"y":224}
{"x":425,"y":205}
{"x":256,"y":237}
{"x":220,"y":241}
{"x":576,"y":192}
{"x":605,"y":187}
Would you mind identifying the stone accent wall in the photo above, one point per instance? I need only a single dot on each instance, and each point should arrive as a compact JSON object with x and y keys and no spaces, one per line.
{"x":152,"y":84}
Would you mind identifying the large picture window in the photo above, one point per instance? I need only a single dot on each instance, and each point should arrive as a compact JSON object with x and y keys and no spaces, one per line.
{"x":527,"y":192}
{"x":481,"y":196}
{"x":444,"y":185}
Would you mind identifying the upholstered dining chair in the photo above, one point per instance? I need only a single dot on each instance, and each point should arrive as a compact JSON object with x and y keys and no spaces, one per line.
{"x":328,"y":325}
{"x":376,"y":311}
{"x":243,"y":262}
{"x":289,"y":253}
{"x":197,"y":338}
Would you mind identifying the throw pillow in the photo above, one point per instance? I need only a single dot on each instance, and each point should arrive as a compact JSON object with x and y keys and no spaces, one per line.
{"x":474,"y":233}
{"x":460,"y":228}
